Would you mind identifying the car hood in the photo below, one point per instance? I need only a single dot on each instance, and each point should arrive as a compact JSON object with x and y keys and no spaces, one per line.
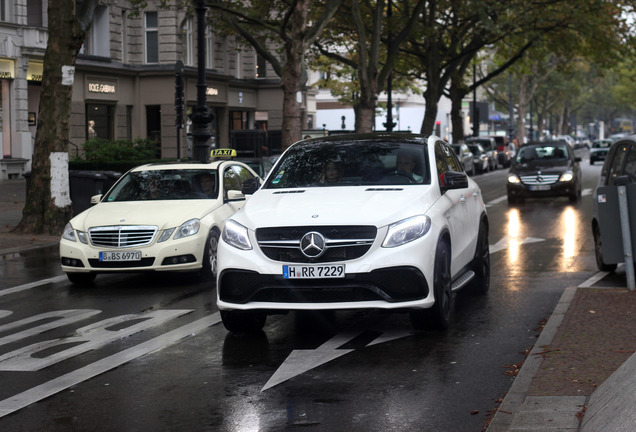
{"x":359,"y":205}
{"x":164,"y":214}
{"x":546,"y":167}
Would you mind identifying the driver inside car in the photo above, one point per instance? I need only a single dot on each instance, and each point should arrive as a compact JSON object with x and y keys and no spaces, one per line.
{"x":406,"y":163}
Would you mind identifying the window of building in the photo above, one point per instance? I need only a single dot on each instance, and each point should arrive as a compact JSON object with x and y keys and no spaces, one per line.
{"x":124,"y":36}
{"x":6,"y":10}
{"x":209,"y":48}
{"x":188,"y":43}
{"x":239,"y":120}
{"x":100,"y":119}
{"x":152,"y":37}
{"x":34,"y":13}
{"x":238,"y":64}
{"x":98,"y":36}
{"x":261,"y":67}
{"x":153,"y":126}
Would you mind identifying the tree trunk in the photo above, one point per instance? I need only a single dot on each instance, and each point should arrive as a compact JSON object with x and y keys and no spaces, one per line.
{"x":431,"y":98}
{"x":365,"y":110}
{"x":48,"y":209}
{"x":292,"y":75}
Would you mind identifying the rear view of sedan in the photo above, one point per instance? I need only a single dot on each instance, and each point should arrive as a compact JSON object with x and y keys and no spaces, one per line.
{"x":546,"y":169}
{"x":375,"y":221}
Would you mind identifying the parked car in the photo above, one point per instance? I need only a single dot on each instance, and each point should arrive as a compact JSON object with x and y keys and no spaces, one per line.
{"x":490,"y":146}
{"x":504,"y":154}
{"x":465,"y":156}
{"x":564,"y":138}
{"x":401,"y":227}
{"x":157,"y":217}
{"x":480,"y":158}
{"x":619,"y":168}
{"x":544,"y":169}
{"x":599,"y":150}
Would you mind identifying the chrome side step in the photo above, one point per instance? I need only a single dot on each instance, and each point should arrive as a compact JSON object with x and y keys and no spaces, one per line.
{"x":460,"y":282}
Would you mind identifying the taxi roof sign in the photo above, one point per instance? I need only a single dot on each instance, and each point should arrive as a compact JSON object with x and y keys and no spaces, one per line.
{"x":223,"y":153}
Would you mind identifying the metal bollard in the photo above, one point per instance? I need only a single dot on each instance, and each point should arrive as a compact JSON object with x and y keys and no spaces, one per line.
{"x":627,"y":236}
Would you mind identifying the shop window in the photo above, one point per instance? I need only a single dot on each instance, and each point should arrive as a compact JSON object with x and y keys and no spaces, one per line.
{"x":152,"y":37}
{"x":100,"y":121}
{"x":239,"y":120}
{"x":98,"y":36}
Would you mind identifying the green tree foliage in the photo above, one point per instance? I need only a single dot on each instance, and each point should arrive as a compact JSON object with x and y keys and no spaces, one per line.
{"x":281,"y":31}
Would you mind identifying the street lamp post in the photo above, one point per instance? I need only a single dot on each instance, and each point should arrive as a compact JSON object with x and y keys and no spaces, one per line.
{"x":389,"y":81}
{"x":201,"y":117}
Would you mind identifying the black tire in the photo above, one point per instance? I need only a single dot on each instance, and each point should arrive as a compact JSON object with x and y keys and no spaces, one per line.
{"x":238,"y":321}
{"x":481,"y":263}
{"x":439,"y":315}
{"x":598,"y":252}
{"x":208,"y":270}
{"x":81,"y":279}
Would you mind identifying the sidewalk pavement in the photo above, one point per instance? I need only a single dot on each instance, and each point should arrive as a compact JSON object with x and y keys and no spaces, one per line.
{"x":579,"y":376}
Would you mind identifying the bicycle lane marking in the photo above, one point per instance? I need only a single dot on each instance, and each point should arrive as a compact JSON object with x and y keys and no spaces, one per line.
{"x":32,"y":285}
{"x":38,"y":393}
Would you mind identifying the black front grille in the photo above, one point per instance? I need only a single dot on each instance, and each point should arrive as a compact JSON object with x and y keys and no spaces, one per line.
{"x":392,"y":285}
{"x":342,"y":242}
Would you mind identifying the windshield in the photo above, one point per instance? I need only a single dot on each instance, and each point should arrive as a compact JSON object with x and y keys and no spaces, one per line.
{"x":170,"y":184}
{"x":351,"y":163}
{"x":542,"y":153}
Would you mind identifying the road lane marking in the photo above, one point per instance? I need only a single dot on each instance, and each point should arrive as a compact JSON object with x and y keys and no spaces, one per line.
{"x":301,"y":361}
{"x":62,"y":318}
{"x":87,"y":338}
{"x":32,"y":285}
{"x":38,"y":393}
{"x":591,"y":281}
{"x":496,"y":201}
{"x":504,"y":243}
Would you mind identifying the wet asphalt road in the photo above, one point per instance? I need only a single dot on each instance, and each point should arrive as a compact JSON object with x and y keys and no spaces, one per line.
{"x":140,"y":353}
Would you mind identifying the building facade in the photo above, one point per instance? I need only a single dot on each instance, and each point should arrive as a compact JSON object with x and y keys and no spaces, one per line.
{"x":124,"y":80}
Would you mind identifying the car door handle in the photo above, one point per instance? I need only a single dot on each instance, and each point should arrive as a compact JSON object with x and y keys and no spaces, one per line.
{"x":462,"y":199}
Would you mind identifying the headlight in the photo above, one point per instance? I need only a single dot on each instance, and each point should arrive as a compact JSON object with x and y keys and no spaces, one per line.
{"x":406,"y":231}
{"x":165,"y":235}
{"x":512,"y":178}
{"x":567,"y":176}
{"x":236,"y":235}
{"x":188,"y":229}
{"x":69,"y":233}
{"x":81,"y":235}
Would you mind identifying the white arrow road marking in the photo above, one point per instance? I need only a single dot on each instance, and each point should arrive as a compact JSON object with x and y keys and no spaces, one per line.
{"x":586,"y":192}
{"x":36,"y":394}
{"x":301,"y":361}
{"x":32,"y":285}
{"x":504,"y":243}
{"x":496,"y":201}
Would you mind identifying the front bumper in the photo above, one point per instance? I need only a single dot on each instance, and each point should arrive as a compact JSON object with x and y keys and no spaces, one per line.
{"x":172,"y":255}
{"x":520,"y":190}
{"x":383,"y":278}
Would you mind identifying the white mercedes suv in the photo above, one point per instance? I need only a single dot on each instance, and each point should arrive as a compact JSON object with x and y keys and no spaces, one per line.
{"x":386,"y":221}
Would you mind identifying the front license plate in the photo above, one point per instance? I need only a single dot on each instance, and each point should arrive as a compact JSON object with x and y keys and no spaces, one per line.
{"x":540,"y":188}
{"x":120,"y":256}
{"x":313,"y":271}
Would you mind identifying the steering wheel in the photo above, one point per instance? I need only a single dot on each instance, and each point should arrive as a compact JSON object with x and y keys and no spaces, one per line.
{"x":402,"y":174}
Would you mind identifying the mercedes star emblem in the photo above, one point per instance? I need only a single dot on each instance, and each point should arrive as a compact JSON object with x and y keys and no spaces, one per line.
{"x":312,"y":244}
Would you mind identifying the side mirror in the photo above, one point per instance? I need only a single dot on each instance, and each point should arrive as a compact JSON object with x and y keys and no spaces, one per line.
{"x":250,"y":186}
{"x":96,"y":199}
{"x":453,"y":180}
{"x":235,"y":195}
